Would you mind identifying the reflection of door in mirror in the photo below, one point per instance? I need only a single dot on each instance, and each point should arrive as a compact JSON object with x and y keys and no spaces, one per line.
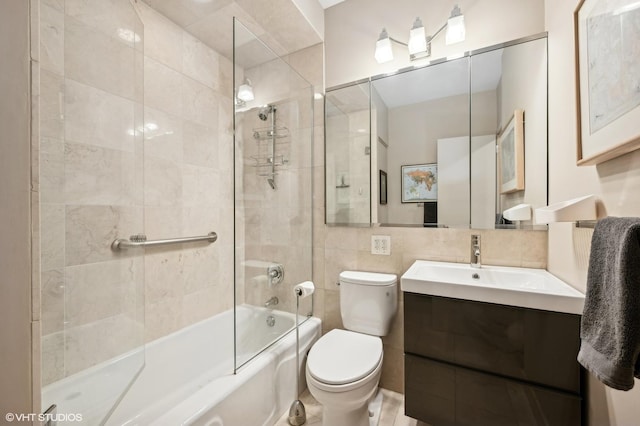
{"x":348,"y":180}
{"x":422,"y":107}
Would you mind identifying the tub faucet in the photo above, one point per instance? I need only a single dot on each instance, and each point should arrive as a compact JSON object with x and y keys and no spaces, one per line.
{"x":271,"y":302}
{"x":475,"y":251}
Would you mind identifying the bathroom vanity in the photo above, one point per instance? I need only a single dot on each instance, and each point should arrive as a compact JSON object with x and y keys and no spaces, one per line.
{"x":488,"y":361}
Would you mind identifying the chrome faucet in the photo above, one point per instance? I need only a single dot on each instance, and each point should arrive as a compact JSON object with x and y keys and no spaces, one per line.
{"x":475,"y":251}
{"x":271,"y":302}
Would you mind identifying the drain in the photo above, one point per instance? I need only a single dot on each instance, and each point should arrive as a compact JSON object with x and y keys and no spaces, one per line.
{"x":475,"y":276}
{"x":271,"y":320}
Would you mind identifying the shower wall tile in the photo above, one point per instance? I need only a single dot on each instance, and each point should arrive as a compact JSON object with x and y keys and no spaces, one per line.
{"x":197,"y":188}
{"x":163,"y":317}
{"x":163,"y":222}
{"x":53,"y":368}
{"x":199,"y":305}
{"x":51,"y":105}
{"x":163,"y":39}
{"x":163,"y":135}
{"x":199,"y":103}
{"x":52,"y":170}
{"x":200,"y":62}
{"x":54,"y":4}
{"x":99,"y":341}
{"x":162,"y":87}
{"x":109,"y":17}
{"x":98,"y":60}
{"x":164,"y":274}
{"x":52,"y":236}
{"x":90,"y":230}
{"x":52,"y":304}
{"x":200,"y":145}
{"x":163,"y":182}
{"x":95,"y":117}
{"x":52,"y":37}
{"x":99,"y":176}
{"x":201,"y":268}
{"x":97,"y":291}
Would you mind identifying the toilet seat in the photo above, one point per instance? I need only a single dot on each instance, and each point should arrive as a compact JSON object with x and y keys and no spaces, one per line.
{"x":343,"y":357}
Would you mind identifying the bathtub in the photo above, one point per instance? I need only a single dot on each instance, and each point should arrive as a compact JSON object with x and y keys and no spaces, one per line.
{"x":188,"y":375}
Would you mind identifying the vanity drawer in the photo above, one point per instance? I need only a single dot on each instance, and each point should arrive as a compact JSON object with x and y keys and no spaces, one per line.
{"x":441,"y":394}
{"x":526,"y":344}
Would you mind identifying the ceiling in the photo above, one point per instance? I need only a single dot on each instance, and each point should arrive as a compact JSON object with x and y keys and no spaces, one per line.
{"x":273,"y":22}
{"x":443,"y":80}
{"x":328,"y":3}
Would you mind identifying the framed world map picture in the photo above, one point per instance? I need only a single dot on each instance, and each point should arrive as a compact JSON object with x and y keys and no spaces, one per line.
{"x":419,"y":183}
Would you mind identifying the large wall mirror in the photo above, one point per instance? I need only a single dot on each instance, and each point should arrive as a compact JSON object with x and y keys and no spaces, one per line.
{"x":452,"y":144}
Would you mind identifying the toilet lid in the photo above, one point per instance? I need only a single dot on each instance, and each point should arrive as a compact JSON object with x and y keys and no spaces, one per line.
{"x":342,"y":356}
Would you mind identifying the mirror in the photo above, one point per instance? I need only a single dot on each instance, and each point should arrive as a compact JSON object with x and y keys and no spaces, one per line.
{"x":451,"y":144}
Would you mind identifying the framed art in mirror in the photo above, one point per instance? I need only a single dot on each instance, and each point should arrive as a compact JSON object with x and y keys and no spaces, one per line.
{"x":419,"y":183}
{"x":607,"y":69}
{"x":511,"y":148}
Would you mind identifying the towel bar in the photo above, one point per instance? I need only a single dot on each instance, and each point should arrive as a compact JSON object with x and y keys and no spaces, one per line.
{"x":140,"y":240}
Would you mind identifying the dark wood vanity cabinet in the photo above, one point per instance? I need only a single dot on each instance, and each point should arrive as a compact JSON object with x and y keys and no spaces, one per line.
{"x":475,"y":363}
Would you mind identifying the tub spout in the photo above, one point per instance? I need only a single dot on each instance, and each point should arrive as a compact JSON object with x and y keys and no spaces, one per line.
{"x":271,"y":302}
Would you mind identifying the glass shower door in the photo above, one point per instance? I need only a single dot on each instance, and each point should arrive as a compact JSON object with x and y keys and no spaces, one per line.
{"x":273,"y":125}
{"x":91,"y":192}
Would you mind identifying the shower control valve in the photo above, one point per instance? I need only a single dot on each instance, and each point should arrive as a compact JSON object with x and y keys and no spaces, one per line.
{"x":275,"y":273}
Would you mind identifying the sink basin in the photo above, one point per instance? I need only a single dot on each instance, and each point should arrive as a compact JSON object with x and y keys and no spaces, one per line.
{"x":523,"y":287}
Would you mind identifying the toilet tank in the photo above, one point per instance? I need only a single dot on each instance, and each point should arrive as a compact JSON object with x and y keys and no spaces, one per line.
{"x":368,"y":301}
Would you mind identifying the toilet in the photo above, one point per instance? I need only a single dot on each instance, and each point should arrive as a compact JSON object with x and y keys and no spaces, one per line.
{"x":344,"y":366}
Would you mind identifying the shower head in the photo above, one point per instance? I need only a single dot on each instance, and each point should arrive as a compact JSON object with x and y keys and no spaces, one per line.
{"x":264,"y":112}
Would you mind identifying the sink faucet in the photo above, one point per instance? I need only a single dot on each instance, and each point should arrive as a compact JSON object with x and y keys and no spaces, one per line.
{"x":271,"y":302}
{"x":475,"y":251}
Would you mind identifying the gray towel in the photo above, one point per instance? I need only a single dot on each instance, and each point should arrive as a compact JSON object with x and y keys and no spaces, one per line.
{"x":610,"y":327}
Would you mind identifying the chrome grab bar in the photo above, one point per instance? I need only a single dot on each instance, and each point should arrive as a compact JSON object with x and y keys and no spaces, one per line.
{"x":140,"y":240}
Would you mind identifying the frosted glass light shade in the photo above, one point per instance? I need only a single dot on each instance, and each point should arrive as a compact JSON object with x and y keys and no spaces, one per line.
{"x":245,"y":93}
{"x":384,"y":53}
{"x":417,"y":40}
{"x":455,"y":30}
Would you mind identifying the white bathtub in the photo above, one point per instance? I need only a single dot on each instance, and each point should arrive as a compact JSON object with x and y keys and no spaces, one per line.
{"x":188,"y":375}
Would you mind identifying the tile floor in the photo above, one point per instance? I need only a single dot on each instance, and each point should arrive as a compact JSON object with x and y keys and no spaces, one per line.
{"x":392,"y":411}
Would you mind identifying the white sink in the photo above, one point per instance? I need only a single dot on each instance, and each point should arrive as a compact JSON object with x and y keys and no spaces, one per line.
{"x":524,"y":287}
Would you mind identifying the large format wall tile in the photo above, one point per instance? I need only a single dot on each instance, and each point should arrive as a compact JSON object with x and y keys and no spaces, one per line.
{"x":99,"y":176}
{"x":90,"y":230}
{"x":98,"y":60}
{"x":52,"y":38}
{"x":95,"y":117}
{"x":162,"y":87}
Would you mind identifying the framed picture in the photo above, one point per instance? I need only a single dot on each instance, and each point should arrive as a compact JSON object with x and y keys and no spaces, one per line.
{"x":419,"y":183}
{"x":383,"y":187}
{"x":511,"y":159}
{"x":607,"y":85}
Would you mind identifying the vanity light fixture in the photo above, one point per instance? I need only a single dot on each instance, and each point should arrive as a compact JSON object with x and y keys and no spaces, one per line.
{"x":419,"y":42}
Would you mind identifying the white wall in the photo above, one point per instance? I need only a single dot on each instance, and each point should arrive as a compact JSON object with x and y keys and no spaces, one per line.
{"x":487,"y":22}
{"x":616,"y":183}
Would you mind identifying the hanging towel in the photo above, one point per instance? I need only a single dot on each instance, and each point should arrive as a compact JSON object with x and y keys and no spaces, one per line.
{"x":610,"y":326}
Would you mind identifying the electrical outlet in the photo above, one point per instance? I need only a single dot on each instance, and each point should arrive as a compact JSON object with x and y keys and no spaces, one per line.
{"x":381,"y":244}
